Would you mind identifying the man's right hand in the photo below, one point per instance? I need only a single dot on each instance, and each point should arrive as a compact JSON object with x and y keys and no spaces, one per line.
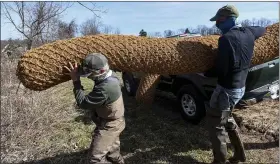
{"x":73,"y":71}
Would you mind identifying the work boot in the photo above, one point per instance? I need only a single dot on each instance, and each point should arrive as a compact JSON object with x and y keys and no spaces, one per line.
{"x":217,"y":136}
{"x":234,"y":137}
{"x":119,"y":160}
{"x":216,"y":120}
{"x":218,"y":162}
{"x":239,"y":153}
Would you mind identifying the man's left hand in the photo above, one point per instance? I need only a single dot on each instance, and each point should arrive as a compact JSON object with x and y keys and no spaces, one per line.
{"x":73,"y":71}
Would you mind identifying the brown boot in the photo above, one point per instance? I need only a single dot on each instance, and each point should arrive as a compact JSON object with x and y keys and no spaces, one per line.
{"x":219,"y":162}
{"x":119,"y":160}
{"x":234,"y":137}
{"x":217,"y":136}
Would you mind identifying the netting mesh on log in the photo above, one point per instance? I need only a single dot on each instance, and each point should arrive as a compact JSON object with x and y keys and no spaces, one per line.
{"x":42,"y":67}
{"x":147,"y":87}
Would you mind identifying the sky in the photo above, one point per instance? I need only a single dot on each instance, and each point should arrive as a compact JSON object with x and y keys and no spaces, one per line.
{"x":131,"y":17}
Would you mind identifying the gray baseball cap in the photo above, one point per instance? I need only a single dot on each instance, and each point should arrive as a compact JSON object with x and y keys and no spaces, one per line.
{"x":226,"y":11}
{"x":92,"y":62}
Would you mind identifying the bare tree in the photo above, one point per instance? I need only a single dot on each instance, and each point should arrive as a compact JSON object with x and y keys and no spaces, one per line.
{"x":49,"y":34}
{"x":168,"y":33}
{"x":155,"y":34}
{"x":91,"y":27}
{"x":117,"y":31}
{"x":264,"y":22}
{"x":107,"y":29}
{"x":66,"y":30}
{"x":150,"y":34}
{"x":158,"y":34}
{"x":181,"y":31}
{"x":36,"y":21}
{"x":199,"y":29}
{"x":214,"y":30}
{"x":202,"y":29}
{"x":34,"y":16}
{"x":96,"y":10}
{"x":254,"y":22}
{"x":246,"y":23}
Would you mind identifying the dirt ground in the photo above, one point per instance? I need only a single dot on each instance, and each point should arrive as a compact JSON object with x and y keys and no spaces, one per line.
{"x":262,"y":118}
{"x":56,"y":133}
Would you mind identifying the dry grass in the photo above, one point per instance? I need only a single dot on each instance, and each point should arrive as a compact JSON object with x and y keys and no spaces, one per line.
{"x":262,"y":117}
{"x":35,"y":125}
{"x":45,"y":128}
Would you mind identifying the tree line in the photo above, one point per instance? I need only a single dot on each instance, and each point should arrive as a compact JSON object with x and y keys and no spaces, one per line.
{"x":40,"y":22}
{"x":204,"y":30}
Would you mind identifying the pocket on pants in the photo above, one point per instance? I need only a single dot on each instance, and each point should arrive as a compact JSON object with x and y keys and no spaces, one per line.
{"x":114,"y":125}
{"x":223,"y":100}
{"x":214,"y":99}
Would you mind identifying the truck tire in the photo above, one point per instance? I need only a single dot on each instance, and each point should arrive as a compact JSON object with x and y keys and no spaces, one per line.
{"x":191,"y":104}
{"x":129,"y":84}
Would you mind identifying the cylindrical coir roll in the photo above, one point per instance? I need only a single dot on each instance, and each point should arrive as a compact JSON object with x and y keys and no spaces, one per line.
{"x":42,"y":67}
{"x":147,"y":87}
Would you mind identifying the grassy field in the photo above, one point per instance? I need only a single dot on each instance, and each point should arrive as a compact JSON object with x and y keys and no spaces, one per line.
{"x":45,"y":127}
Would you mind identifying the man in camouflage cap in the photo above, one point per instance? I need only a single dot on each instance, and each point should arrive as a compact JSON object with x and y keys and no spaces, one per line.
{"x":225,"y":12}
{"x":235,"y":51}
{"x":105,"y":102}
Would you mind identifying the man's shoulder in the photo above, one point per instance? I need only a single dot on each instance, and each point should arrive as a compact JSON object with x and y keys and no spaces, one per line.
{"x":224,"y":38}
{"x":254,"y":27}
{"x":110,"y":83}
{"x":231,"y":33}
{"x":114,"y":75}
{"x":234,"y":33}
{"x":240,"y":29}
{"x":113,"y":79}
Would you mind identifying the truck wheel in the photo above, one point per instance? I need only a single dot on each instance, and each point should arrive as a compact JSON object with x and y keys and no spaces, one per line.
{"x":191,"y":104}
{"x":129,"y":84}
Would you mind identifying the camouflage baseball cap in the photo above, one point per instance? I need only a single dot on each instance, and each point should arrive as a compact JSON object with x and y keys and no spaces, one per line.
{"x":92,"y":62}
{"x":226,"y":11}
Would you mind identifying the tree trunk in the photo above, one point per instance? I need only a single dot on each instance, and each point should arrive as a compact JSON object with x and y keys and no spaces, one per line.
{"x":29,"y":44}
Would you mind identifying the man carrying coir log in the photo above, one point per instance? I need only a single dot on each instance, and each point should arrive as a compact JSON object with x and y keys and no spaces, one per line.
{"x":105,"y":102}
{"x":235,"y":51}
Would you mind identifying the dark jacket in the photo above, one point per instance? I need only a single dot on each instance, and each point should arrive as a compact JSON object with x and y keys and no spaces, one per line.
{"x":105,"y":98}
{"x":235,"y":51}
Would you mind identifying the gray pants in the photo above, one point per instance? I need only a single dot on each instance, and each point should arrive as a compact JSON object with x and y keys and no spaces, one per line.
{"x":105,"y":145}
{"x":219,"y":121}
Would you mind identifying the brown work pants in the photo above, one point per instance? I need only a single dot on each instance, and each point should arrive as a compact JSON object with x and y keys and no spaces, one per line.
{"x":105,"y":145}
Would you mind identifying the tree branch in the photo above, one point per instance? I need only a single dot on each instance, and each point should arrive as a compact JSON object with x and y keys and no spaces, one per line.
{"x":92,"y":10}
{"x":8,"y":16}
